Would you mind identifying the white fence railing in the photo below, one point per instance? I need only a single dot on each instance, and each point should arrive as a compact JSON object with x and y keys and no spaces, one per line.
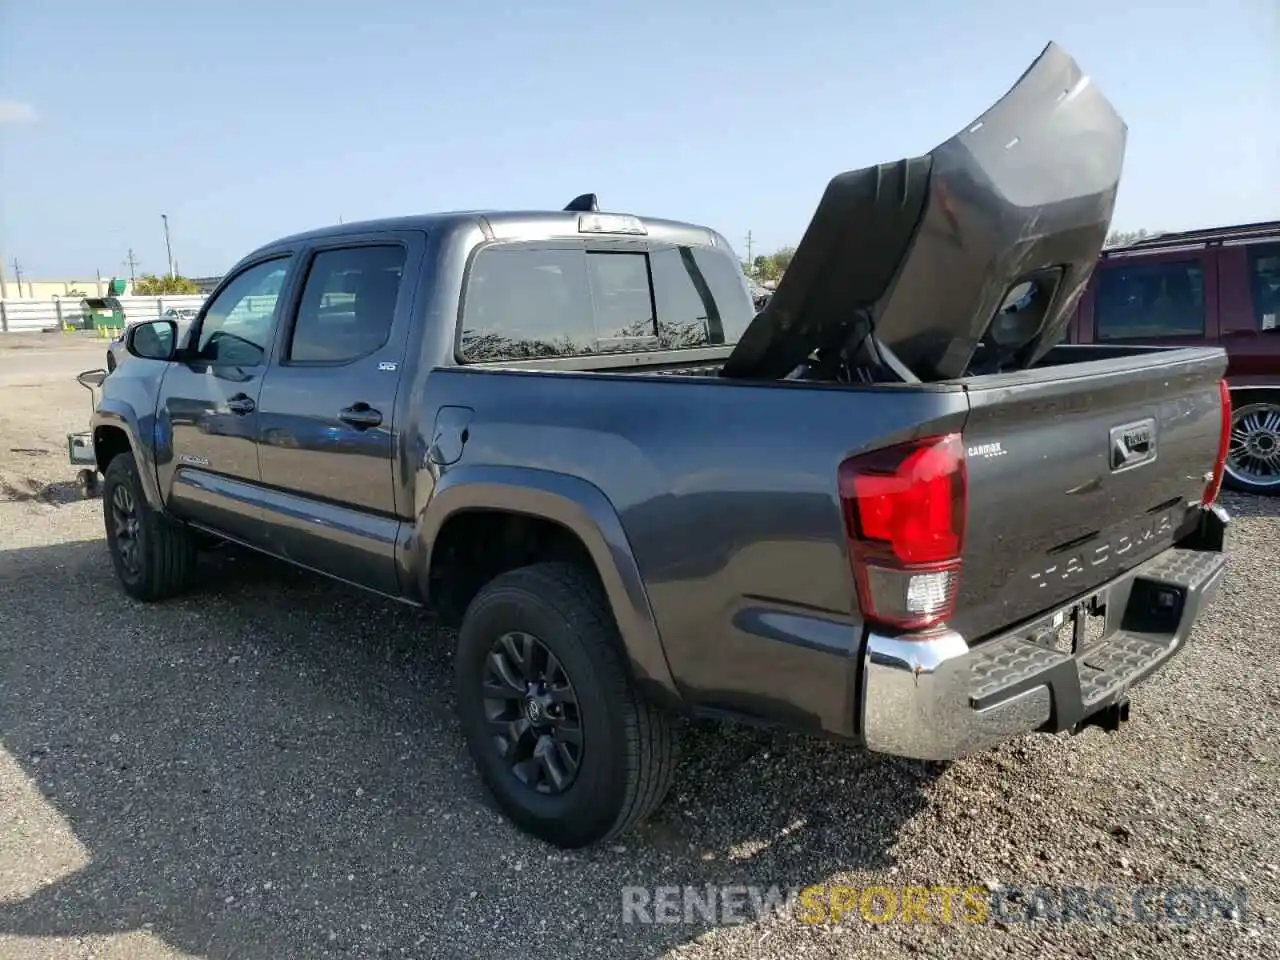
{"x":18,"y":316}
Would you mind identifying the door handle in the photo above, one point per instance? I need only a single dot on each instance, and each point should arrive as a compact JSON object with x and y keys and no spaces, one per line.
{"x":241,"y":403}
{"x":360,"y":415}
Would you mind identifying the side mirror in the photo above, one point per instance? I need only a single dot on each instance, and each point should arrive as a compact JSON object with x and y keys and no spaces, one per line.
{"x":153,"y":340}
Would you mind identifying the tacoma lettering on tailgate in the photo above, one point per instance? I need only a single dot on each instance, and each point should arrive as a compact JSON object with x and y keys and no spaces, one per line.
{"x":1090,"y":556}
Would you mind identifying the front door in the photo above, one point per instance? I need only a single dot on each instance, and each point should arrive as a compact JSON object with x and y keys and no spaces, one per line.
{"x":327,"y":411}
{"x":208,"y":405}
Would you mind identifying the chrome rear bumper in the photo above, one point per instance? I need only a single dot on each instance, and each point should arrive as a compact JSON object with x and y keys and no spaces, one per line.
{"x":935,"y":698}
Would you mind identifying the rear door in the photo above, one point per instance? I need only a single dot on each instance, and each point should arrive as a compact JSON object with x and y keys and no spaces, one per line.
{"x":208,"y":404}
{"x":326,"y":411}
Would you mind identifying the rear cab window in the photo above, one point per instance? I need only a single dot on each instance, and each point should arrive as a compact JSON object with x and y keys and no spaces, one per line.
{"x":564,"y":299}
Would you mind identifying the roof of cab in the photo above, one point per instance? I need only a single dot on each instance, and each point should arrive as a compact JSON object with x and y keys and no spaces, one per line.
{"x":508,"y":225}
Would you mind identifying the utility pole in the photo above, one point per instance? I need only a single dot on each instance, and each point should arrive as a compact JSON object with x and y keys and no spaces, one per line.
{"x":131,"y":261}
{"x":17,"y":272}
{"x":751,"y":264}
{"x":167,"y":246}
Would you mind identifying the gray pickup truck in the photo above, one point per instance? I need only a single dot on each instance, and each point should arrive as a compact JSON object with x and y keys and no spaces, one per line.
{"x":890,"y":507}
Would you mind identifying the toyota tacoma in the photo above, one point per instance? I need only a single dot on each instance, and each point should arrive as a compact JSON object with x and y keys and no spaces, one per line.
{"x":890,"y":507}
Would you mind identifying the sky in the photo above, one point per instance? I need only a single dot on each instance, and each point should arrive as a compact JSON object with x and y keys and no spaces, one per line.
{"x":246,"y":121}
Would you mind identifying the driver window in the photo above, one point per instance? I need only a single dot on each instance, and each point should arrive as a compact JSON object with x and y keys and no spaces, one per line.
{"x":239,"y":323}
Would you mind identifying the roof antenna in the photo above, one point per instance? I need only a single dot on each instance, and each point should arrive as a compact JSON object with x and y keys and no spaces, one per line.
{"x":584,"y":203}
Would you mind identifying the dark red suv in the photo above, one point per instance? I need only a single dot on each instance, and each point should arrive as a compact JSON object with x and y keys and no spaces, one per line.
{"x":1218,"y":286}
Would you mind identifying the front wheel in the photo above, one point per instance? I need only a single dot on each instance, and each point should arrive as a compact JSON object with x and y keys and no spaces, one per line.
{"x":570,"y":749}
{"x":153,"y":556}
{"x":1253,"y":457}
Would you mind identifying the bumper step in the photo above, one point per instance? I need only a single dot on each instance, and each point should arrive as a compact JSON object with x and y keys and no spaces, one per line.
{"x":1144,"y":627}
{"x":936,"y":697}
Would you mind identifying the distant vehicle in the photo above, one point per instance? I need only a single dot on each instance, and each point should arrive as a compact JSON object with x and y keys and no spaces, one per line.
{"x":1218,"y":286}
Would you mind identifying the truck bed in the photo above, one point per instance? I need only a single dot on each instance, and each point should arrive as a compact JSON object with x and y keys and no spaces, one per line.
{"x":728,"y":490}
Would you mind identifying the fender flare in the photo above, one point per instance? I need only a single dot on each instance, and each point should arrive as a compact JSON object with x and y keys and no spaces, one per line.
{"x":122,"y":416}
{"x":582,"y":508}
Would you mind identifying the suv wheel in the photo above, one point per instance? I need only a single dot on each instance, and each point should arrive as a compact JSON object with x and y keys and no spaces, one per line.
{"x":153,"y":556}
{"x":568,"y":746}
{"x":1253,"y":458}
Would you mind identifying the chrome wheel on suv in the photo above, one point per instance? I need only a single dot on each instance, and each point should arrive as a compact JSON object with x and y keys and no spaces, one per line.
{"x":1253,"y":458}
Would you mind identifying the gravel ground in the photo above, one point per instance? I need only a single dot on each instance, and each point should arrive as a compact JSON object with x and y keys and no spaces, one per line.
{"x":269,"y":768}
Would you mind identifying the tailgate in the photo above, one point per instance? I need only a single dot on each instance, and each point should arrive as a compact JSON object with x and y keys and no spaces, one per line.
{"x":1076,"y":474}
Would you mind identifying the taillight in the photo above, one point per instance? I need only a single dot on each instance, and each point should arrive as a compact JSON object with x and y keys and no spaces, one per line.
{"x":904,"y":514}
{"x":1224,"y":444}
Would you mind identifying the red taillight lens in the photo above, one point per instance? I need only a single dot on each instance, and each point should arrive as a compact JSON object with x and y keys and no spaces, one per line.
{"x":904,"y":512}
{"x":1224,"y":444}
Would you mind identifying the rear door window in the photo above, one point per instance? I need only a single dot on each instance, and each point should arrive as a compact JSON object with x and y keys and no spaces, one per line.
{"x":1146,"y":300}
{"x":348,"y":304}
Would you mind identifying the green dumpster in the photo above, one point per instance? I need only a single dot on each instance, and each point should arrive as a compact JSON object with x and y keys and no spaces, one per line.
{"x":104,"y":313}
{"x":97,"y":313}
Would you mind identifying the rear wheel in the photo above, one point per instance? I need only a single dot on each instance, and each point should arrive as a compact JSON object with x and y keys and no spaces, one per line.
{"x":1253,"y":458}
{"x":153,"y":557}
{"x":568,"y":746}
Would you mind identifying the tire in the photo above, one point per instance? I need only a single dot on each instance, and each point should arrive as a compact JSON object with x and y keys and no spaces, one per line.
{"x":627,"y":746}
{"x":111,"y":362}
{"x":1253,"y":459}
{"x":153,"y":556}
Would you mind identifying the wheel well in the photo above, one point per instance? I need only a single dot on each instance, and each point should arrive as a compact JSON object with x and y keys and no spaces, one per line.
{"x":108,"y":443}
{"x":1243,"y":395}
{"x":474,"y":546}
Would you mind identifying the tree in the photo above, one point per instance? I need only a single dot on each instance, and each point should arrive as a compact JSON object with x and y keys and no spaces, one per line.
{"x":782,"y":258}
{"x":149,"y":285}
{"x":1122,"y":238}
{"x":769,"y":267}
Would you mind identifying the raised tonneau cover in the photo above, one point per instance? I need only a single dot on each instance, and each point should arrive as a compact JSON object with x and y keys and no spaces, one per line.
{"x":930,"y":250}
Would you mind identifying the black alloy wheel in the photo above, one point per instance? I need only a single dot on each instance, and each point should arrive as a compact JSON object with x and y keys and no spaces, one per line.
{"x":532,"y":712}
{"x":127,"y":529}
